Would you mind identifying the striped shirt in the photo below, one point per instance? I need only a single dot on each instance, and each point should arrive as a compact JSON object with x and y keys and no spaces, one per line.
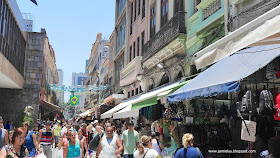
{"x":46,"y":137}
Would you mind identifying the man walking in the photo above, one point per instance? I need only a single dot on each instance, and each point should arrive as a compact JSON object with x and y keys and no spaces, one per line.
{"x":146,"y":131}
{"x":130,"y":139}
{"x":110,"y":146}
{"x":56,"y":131}
{"x":46,"y":138}
{"x":3,"y":134}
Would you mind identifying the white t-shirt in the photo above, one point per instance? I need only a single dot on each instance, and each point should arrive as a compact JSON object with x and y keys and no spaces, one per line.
{"x":151,"y":153}
{"x":155,"y":146}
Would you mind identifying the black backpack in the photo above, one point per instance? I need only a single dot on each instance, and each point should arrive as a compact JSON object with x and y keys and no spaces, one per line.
{"x":266,"y":101}
{"x":93,"y":144}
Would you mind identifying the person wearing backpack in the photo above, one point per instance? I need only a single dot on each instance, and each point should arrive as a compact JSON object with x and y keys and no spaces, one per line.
{"x":188,"y":151}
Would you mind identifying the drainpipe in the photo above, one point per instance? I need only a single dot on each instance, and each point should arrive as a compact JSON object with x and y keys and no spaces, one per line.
{"x":226,"y":16}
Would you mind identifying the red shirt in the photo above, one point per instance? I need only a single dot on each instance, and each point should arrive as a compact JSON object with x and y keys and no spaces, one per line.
{"x":85,"y":134}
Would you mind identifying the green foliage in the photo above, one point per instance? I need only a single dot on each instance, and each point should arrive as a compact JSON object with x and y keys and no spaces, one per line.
{"x":68,"y":107}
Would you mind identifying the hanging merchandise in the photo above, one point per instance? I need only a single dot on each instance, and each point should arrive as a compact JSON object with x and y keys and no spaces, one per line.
{"x":277,"y":106}
{"x":157,"y":112}
{"x":78,"y":89}
{"x":171,"y":111}
{"x":246,"y":105}
{"x":266,"y":104}
{"x":248,"y":131}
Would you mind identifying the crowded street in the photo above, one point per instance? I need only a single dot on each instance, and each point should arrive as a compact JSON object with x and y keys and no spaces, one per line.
{"x":140,"y":79}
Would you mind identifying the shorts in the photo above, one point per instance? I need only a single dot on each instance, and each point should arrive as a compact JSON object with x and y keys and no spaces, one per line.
{"x":56,"y":138}
{"x":32,"y":152}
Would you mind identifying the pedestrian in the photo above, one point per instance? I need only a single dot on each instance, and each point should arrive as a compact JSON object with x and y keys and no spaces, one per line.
{"x":63,"y":141}
{"x":73,"y":147}
{"x":146,"y":130}
{"x":57,"y":130}
{"x":188,"y":151}
{"x":3,"y":134}
{"x":144,"y":148}
{"x":90,"y":132}
{"x":82,"y":139}
{"x":30,"y":141}
{"x":273,"y":147}
{"x":36,"y":130}
{"x":130,"y":139}
{"x":109,"y":146}
{"x":46,"y":138}
{"x":10,"y":136}
{"x":85,"y":134}
{"x":16,"y":148}
{"x":39,"y":124}
{"x":156,"y":144}
{"x":8,"y":126}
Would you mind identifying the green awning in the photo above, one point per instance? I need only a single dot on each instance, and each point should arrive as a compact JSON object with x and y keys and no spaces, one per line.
{"x":152,"y":97}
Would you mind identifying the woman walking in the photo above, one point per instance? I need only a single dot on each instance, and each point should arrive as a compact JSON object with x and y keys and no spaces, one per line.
{"x":16,"y":148}
{"x":144,"y":148}
{"x":73,"y":148}
{"x":30,"y":141}
{"x":188,"y":151}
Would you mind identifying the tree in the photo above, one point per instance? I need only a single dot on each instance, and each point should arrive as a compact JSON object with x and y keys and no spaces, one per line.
{"x":69,"y":108}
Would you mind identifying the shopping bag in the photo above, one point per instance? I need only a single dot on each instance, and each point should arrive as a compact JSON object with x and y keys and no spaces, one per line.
{"x":41,"y":155}
{"x":60,"y":153}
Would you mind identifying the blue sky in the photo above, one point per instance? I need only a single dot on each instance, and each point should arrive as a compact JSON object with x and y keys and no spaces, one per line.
{"x":71,"y":26}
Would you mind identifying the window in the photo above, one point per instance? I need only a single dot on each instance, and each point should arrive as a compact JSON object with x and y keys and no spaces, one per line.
{"x":164,"y":12}
{"x":164,"y":79}
{"x":141,"y":89}
{"x":153,"y":21}
{"x":121,"y":6}
{"x":132,"y":93}
{"x":121,"y":33}
{"x":179,"y":6}
{"x":139,"y":6}
{"x":138,"y":41}
{"x":131,"y":17}
{"x":143,"y":9}
{"x":128,"y":95}
{"x":134,"y":53}
{"x":136,"y":92}
{"x":195,"y":3}
{"x":135,"y":10}
{"x":130,"y":53}
{"x":142,"y":39}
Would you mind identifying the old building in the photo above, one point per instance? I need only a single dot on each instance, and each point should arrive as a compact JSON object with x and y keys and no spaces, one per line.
{"x":137,"y":37}
{"x":164,"y":54}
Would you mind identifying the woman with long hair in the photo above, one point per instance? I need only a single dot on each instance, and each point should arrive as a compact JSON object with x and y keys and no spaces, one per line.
{"x":156,"y":144}
{"x":16,"y":148}
{"x":144,"y":148}
{"x":31,"y":142}
{"x":63,"y":141}
{"x":188,"y":150}
{"x":73,"y":148}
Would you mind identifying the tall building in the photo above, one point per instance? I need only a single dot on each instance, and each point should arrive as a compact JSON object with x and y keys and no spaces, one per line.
{"x":86,"y":66}
{"x":78,"y":78}
{"x":60,"y":82}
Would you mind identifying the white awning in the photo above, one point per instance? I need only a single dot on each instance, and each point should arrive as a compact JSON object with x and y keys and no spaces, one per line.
{"x":253,"y":33}
{"x":122,"y":105}
{"x":132,"y":112}
{"x":86,"y":113}
{"x":126,"y":112}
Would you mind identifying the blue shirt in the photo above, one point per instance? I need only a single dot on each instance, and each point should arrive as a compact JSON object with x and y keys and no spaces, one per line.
{"x":190,"y":152}
{"x":29,"y":141}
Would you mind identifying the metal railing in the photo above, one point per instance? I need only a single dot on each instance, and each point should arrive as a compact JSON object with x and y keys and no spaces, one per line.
{"x":165,"y":35}
{"x":211,"y":9}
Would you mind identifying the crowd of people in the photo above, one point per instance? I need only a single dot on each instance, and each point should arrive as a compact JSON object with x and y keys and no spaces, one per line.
{"x":94,"y":140}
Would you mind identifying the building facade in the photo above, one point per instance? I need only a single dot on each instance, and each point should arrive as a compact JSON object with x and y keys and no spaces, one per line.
{"x":164,"y":54}
{"x":60,"y":82}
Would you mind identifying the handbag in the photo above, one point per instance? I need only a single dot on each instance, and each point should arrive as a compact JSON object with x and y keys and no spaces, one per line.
{"x":93,"y":144}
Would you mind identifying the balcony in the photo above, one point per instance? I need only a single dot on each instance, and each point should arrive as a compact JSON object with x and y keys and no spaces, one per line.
{"x":130,"y":71}
{"x":166,"y":34}
{"x":108,"y":92}
{"x":211,"y":9}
